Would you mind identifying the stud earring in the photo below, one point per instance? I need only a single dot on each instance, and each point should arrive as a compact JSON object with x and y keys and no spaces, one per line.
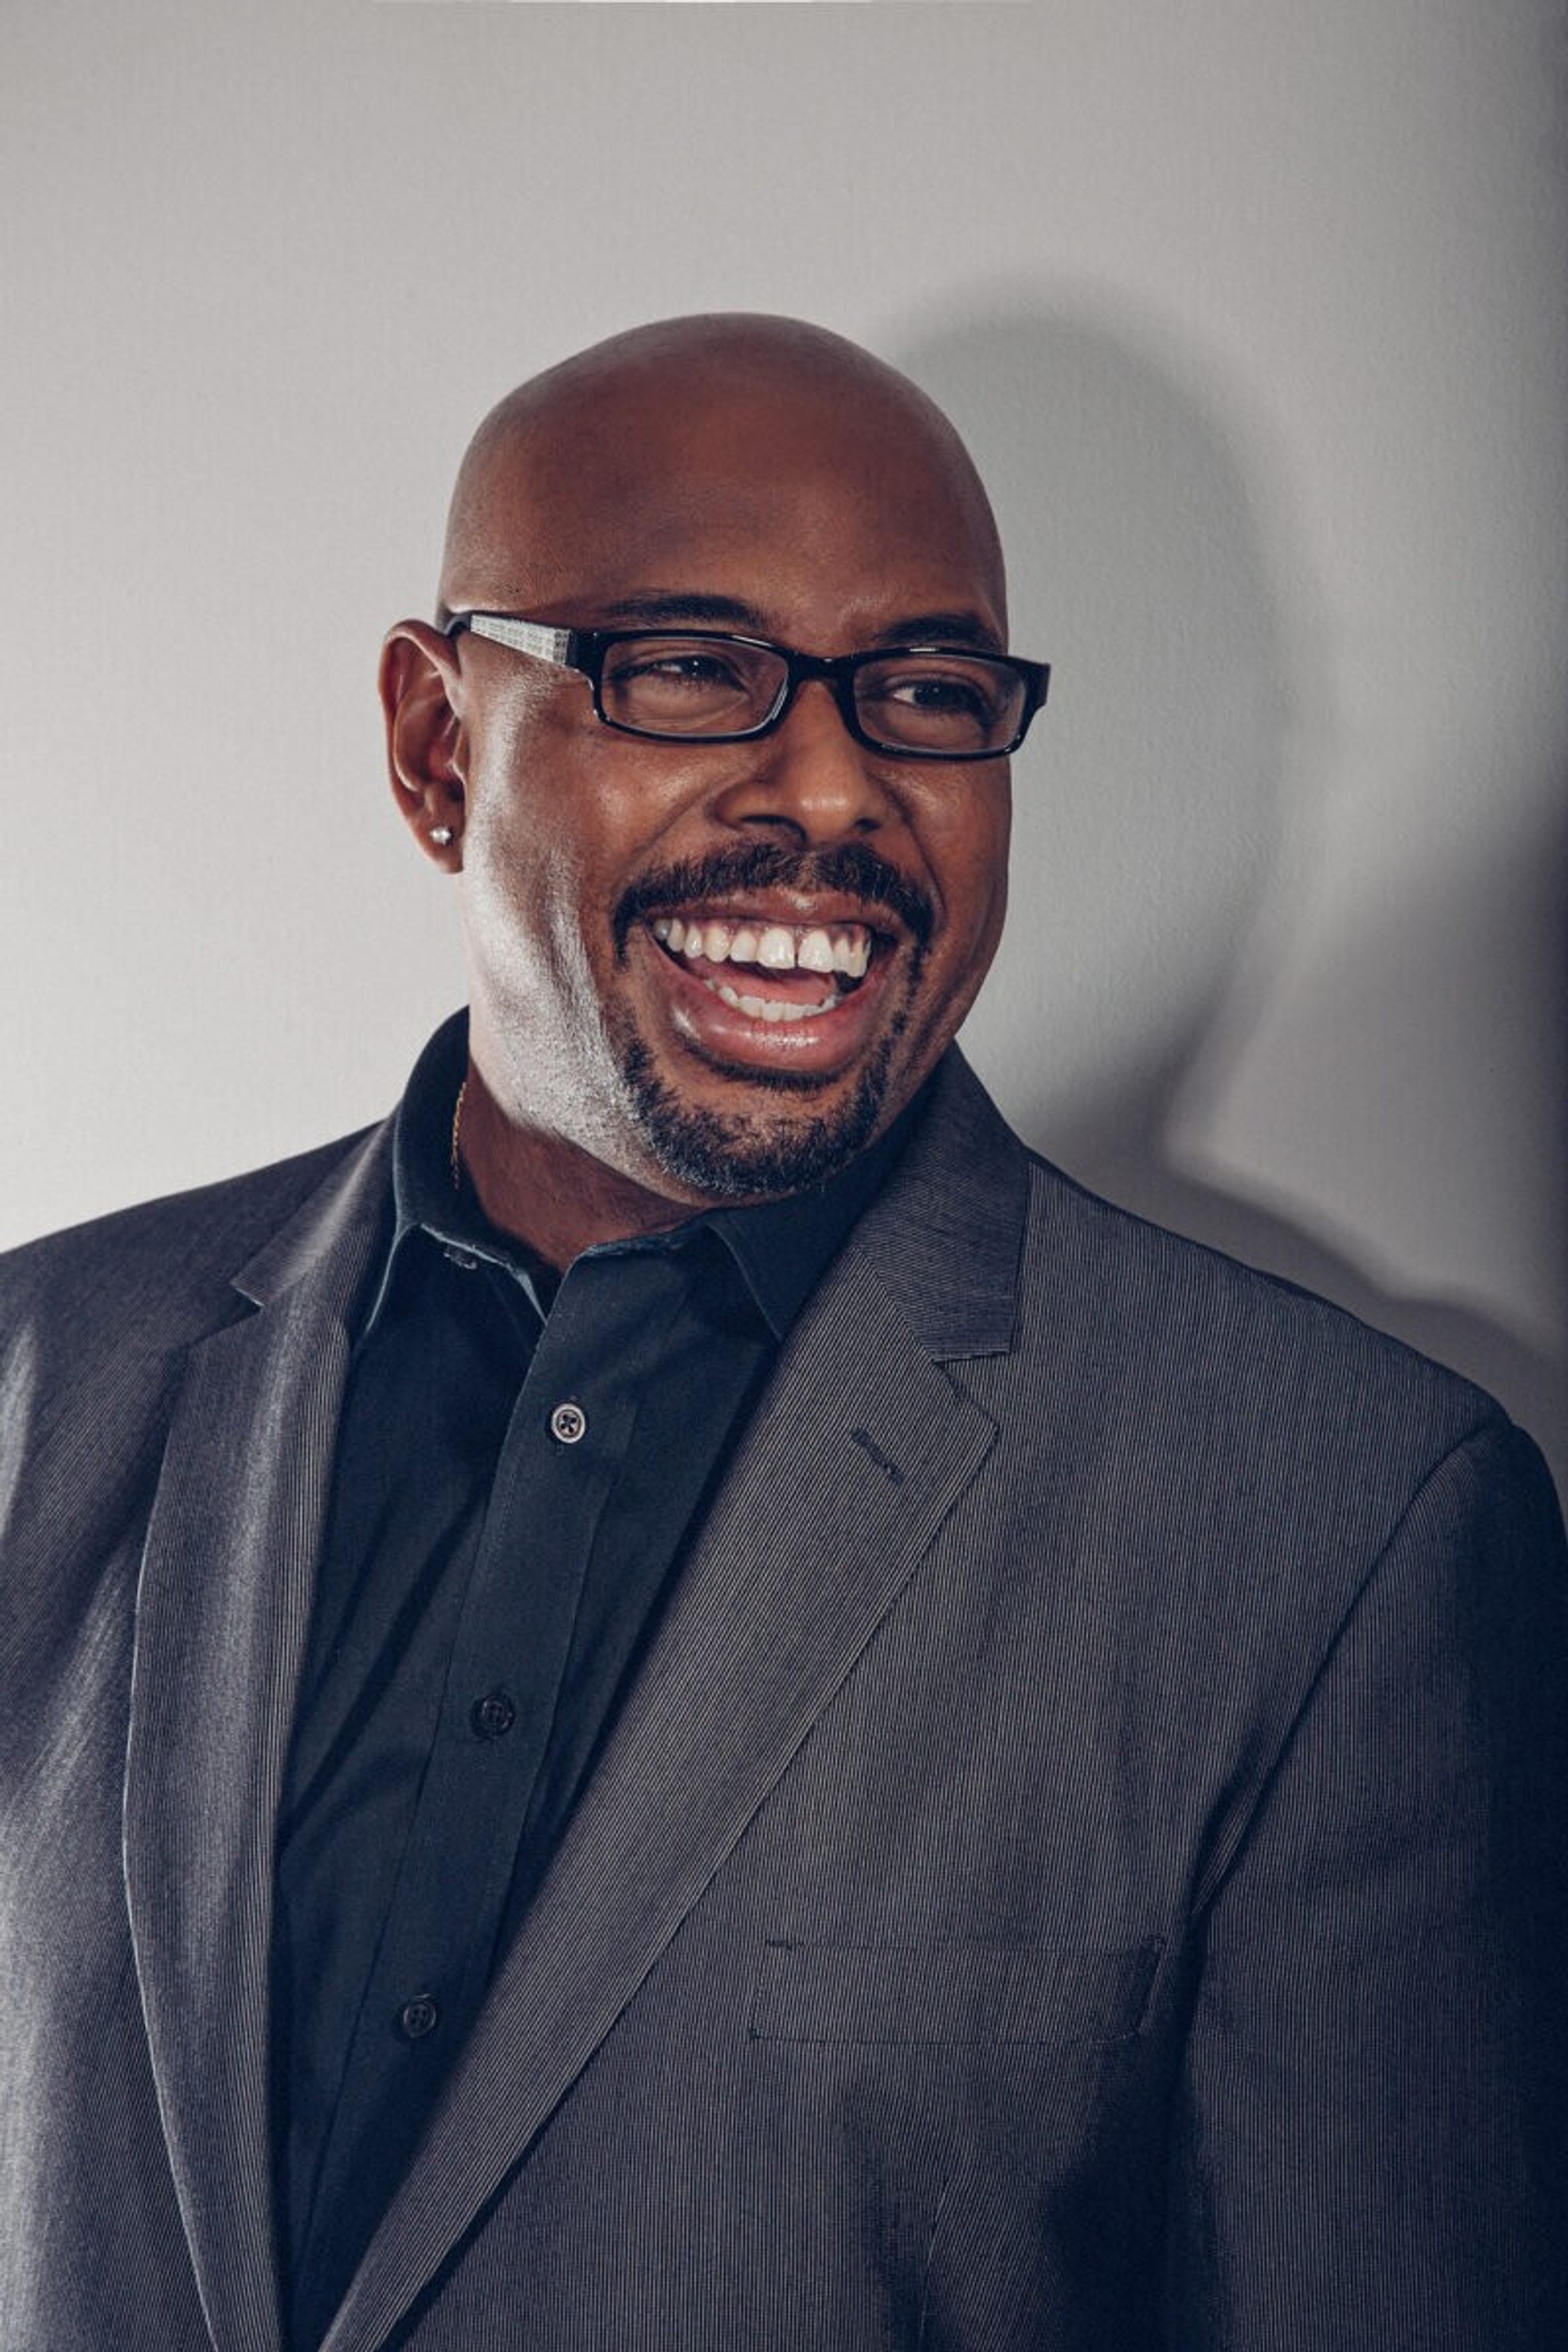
{"x":441,"y":834}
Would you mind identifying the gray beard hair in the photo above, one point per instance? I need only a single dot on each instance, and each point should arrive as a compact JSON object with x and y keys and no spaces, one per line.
{"x":726,"y":1157}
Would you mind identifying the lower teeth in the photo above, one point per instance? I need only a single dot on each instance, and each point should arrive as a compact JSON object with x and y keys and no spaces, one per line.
{"x":771,"y":1008}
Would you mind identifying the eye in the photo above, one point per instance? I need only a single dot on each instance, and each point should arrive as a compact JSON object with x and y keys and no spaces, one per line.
{"x":677,"y":683}
{"x":940,"y":693}
{"x":669,"y":671}
{"x":936,"y":701}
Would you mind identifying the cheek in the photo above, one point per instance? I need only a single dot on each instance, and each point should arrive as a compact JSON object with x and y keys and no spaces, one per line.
{"x":550,"y":841}
{"x":521,"y":884}
{"x":969,"y":859}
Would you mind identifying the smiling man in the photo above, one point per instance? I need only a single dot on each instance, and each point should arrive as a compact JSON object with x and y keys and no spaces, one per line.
{"x":684,"y":1701}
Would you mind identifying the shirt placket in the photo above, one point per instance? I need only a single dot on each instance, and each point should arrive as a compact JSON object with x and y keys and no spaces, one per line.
{"x":564,"y":1445}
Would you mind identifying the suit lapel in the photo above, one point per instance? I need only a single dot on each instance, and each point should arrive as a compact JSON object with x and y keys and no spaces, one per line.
{"x":223,"y":1610}
{"x":858,"y":1453}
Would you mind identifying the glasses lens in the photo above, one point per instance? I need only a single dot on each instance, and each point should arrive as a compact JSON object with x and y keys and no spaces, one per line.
{"x":955,"y":703}
{"x":690,"y":686}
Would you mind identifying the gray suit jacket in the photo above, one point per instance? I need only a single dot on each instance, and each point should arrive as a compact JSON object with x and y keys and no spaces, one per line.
{"x":1076,"y":1870}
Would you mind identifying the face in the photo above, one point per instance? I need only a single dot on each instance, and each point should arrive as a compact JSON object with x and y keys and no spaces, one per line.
{"x":720,"y":969}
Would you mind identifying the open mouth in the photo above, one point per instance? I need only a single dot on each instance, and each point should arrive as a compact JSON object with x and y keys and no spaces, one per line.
{"x":769,"y":971}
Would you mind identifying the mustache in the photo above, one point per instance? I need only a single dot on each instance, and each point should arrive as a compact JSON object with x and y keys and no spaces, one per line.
{"x":849,"y":869}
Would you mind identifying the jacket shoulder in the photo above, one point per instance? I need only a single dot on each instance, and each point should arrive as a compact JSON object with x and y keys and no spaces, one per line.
{"x":997,"y":1254}
{"x":149,"y":1274}
{"x":1175,"y":1329}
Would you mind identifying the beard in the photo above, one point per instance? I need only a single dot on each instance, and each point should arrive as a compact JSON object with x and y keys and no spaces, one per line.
{"x":741,"y":1156}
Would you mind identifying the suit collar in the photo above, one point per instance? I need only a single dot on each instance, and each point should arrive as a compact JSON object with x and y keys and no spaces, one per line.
{"x":333,"y":1241}
{"x":945,"y":1236}
{"x":221,"y":1617}
{"x":223,"y":1610}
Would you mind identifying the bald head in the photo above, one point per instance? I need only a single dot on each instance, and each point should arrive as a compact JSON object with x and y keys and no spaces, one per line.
{"x":704,"y":415}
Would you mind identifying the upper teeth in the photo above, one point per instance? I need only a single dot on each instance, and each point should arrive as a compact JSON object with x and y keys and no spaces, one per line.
{"x":776,"y":947}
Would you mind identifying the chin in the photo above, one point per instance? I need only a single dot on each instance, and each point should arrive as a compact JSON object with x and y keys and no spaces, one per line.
{"x":784,"y":1142}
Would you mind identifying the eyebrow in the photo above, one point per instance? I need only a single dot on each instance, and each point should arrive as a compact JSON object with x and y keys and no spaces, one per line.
{"x":672,"y":609}
{"x":941,"y":629}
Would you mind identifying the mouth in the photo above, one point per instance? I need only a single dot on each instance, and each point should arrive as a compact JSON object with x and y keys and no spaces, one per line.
{"x":769,"y":971}
{"x":757,"y":994}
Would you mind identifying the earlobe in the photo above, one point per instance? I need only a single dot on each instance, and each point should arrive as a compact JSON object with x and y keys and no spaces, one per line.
{"x":426,"y":747}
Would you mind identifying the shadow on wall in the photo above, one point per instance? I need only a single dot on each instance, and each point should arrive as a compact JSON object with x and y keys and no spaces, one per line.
{"x":1166,"y":806}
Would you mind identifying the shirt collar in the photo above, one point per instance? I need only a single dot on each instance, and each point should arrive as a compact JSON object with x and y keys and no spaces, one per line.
{"x":784,"y":1248}
{"x":424,"y":1200}
{"x":781,"y":1248}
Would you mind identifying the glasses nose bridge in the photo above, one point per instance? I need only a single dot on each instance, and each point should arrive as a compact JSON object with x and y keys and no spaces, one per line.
{"x":835,"y":671}
{"x":819,"y":778}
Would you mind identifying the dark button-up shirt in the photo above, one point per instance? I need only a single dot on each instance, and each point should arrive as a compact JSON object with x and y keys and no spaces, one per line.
{"x":519,"y":1466}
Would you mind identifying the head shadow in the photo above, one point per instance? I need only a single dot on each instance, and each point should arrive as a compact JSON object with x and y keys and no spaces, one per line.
{"x":1167,"y":802}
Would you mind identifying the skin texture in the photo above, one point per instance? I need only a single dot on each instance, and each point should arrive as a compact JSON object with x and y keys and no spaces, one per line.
{"x":775,"y":467}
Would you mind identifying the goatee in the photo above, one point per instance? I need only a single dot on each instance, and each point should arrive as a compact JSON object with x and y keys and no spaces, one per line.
{"x":736,"y":1156}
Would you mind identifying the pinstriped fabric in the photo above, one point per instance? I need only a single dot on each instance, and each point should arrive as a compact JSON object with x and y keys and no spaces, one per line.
{"x":960,"y":1990}
{"x":1077,"y":1871}
{"x":93,"y":2249}
{"x":222,"y":1615}
{"x":1406,"y":1949}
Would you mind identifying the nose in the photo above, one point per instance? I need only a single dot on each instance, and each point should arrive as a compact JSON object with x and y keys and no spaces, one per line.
{"x":809,"y":778}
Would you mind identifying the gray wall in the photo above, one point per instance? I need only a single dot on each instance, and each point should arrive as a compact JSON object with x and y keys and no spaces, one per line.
{"x":1255,"y":316}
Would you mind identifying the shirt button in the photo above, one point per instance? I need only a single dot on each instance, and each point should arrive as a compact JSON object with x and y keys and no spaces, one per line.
{"x":418,"y":2018}
{"x":568,"y":1422}
{"x":493,"y":1715}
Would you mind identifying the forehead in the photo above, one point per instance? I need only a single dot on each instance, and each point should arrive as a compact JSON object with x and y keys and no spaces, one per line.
{"x":828,"y":515}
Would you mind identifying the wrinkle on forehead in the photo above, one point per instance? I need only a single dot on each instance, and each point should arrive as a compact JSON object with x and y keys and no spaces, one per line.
{"x":746,"y":429}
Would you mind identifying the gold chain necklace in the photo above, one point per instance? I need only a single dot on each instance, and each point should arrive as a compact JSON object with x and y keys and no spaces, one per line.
{"x":457,"y":1134}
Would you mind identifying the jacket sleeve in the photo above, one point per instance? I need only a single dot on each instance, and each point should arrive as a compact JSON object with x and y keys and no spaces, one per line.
{"x":1371,"y":2138}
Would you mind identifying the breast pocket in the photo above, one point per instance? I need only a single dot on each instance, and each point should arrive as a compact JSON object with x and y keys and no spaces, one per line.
{"x":954,"y":1991}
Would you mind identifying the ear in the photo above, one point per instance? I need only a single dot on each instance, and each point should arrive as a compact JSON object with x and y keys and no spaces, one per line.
{"x":427,"y":749}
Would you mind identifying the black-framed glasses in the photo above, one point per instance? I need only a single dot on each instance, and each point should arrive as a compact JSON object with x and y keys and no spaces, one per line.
{"x":680,"y":686}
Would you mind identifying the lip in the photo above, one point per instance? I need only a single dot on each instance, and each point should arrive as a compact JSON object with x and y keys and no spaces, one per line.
{"x":819,"y":1045}
{"x":795,"y":910}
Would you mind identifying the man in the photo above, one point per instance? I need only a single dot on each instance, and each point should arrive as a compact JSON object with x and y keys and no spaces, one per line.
{"x":745,"y":1720}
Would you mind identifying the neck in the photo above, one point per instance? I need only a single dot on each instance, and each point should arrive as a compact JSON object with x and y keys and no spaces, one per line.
{"x":549,"y":1194}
